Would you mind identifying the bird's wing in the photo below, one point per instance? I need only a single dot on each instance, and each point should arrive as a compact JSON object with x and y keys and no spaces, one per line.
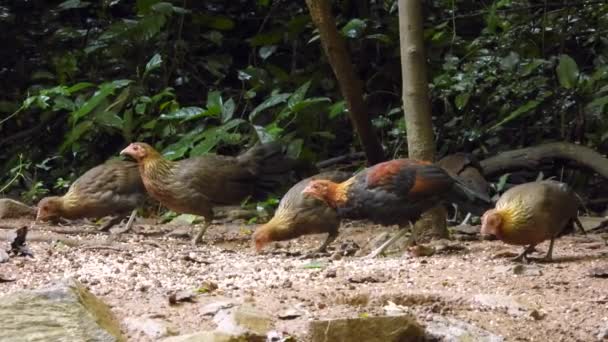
{"x":120,"y":177}
{"x":219,"y":178}
{"x":409,"y":178}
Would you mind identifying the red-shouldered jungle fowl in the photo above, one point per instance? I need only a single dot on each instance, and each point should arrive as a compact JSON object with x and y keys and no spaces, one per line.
{"x":112,"y":188}
{"x":299,"y":214}
{"x":467,"y":168}
{"x":531,"y":213}
{"x":395,"y":192}
{"x":195,"y":185}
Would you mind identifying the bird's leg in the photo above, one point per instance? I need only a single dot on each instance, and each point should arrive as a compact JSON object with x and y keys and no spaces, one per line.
{"x":201,"y":232}
{"x":466,"y":219}
{"x":330,"y":238}
{"x":578,"y":223}
{"x":385,"y":245}
{"x":129,"y":223}
{"x":323,"y":248}
{"x":524,"y":255}
{"x":111,"y":222}
{"x":453,"y":219}
{"x":549,"y":255}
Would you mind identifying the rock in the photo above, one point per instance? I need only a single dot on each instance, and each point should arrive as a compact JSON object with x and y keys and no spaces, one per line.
{"x":599,"y":272}
{"x":392,"y":309}
{"x":181,"y":297}
{"x":63,"y":311}
{"x":243,"y":320}
{"x":466,"y":229}
{"x":208,"y":336}
{"x":520,"y":269}
{"x":421,"y":251}
{"x":211,"y":309}
{"x":361,"y":279}
{"x":590,"y":222}
{"x":12,"y":209}
{"x":369,"y":329}
{"x":289,"y":314}
{"x":3,"y":256}
{"x":154,"y":328}
{"x":453,"y":330}
{"x":602,"y":335}
{"x":510,"y":304}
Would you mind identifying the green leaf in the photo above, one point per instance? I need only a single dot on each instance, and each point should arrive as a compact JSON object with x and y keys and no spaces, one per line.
{"x":354,"y":28}
{"x":502,"y":181}
{"x":267,"y":51}
{"x":308,"y":102}
{"x":184,"y":113}
{"x":211,"y":137}
{"x":105,"y":90}
{"x":517,"y":113}
{"x":314,"y":264}
{"x":184,"y":219}
{"x":109,"y":118}
{"x":298,"y":95}
{"x":62,"y":102}
{"x":567,"y":72}
{"x":145,"y":6}
{"x":380,"y":37}
{"x":597,"y":104}
{"x":531,"y":66}
{"x":214,"y":103}
{"x":154,"y":63}
{"x":75,"y":133}
{"x":71,"y":4}
{"x":336,"y":109}
{"x":267,"y":38}
{"x":269,"y":102}
{"x":295,"y":148}
{"x":461,"y":100}
{"x":228,"y":110}
{"x":79,"y":86}
{"x":218,"y":22}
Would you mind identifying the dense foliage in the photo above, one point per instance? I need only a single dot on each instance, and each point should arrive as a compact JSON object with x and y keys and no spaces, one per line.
{"x":80,"y":79}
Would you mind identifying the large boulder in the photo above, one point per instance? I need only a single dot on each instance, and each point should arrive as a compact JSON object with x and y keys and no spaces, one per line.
{"x":12,"y":209}
{"x":403,"y":328}
{"x":63,"y":311}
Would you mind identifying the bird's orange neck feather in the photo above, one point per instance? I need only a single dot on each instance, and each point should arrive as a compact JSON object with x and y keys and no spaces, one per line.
{"x":337,"y":193}
{"x":514,"y":214}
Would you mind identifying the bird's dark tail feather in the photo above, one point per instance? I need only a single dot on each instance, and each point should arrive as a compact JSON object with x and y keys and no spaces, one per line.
{"x":274,"y":170}
{"x":469,"y":200}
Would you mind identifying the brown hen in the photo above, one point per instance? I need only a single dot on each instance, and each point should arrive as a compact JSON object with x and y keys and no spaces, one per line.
{"x":196,"y":185}
{"x":531,"y":213}
{"x":299,"y":214}
{"x":394,"y":192}
{"x":112,"y":188}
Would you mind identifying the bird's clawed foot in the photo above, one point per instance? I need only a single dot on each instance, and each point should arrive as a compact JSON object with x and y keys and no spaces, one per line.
{"x":199,"y":236}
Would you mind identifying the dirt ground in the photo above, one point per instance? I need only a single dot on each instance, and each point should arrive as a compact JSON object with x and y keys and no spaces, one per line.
{"x":561,"y":300}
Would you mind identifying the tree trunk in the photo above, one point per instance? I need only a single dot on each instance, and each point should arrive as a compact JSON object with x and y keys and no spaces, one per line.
{"x":350,"y":85}
{"x":416,"y":105}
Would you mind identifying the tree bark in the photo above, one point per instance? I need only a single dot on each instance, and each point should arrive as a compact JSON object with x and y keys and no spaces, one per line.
{"x":416,"y":105}
{"x":350,"y":85}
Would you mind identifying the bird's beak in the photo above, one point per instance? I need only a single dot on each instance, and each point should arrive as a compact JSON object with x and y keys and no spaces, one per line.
{"x":126,"y":151}
{"x":308,"y":191}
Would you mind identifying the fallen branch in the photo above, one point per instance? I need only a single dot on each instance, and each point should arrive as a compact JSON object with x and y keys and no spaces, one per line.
{"x":102,"y":247}
{"x":533,"y":157}
{"x":347,"y":157}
